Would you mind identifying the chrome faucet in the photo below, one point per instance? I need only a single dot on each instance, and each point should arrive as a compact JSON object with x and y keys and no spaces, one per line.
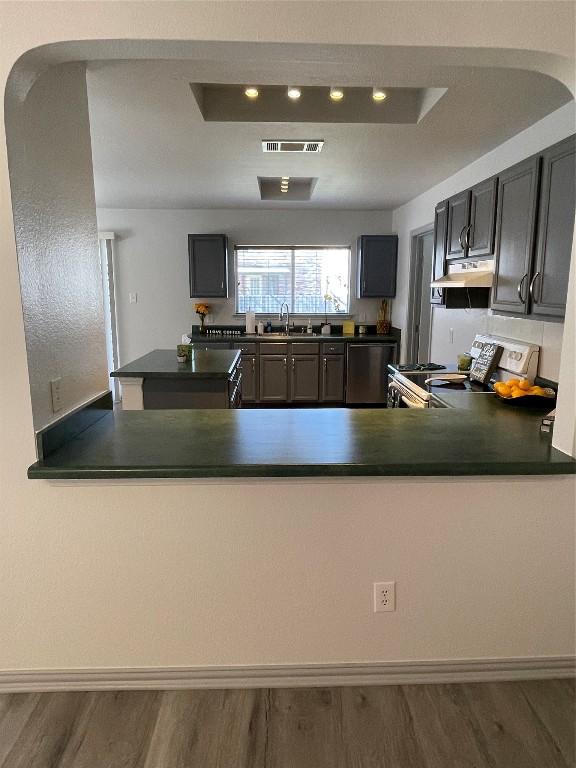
{"x":281,"y":315}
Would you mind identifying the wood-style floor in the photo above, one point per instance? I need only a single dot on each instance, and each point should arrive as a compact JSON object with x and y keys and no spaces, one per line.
{"x":480,"y":725}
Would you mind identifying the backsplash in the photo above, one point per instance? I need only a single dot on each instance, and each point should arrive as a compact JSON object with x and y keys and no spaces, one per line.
{"x":453,"y":331}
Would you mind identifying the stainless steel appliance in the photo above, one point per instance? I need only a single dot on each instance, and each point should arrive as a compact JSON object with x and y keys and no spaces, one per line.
{"x":367,"y":372}
{"x":417,"y":388}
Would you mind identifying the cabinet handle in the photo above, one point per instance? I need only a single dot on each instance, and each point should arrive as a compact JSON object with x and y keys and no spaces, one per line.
{"x":325,"y":363}
{"x":461,"y":236}
{"x":531,"y":289}
{"x":293,"y":365}
{"x":253,"y":365}
{"x":521,"y":286}
{"x":363,"y":286}
{"x":467,"y":236}
{"x":284,"y":362}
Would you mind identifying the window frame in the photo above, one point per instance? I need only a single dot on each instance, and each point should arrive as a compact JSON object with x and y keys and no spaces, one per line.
{"x":294,"y":249}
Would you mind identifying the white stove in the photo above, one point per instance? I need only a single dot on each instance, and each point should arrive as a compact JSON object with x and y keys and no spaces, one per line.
{"x":416,"y":388}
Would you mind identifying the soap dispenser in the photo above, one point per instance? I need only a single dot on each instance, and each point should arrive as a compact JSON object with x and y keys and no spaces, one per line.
{"x":309,"y":329}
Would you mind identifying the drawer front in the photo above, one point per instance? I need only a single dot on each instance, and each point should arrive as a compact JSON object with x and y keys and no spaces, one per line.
{"x":305,"y":348}
{"x":336,"y":348}
{"x":272,"y":348}
{"x":248,"y":348}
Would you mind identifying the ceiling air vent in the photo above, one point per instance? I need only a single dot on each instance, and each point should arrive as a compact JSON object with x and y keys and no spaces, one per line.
{"x":293,"y":145}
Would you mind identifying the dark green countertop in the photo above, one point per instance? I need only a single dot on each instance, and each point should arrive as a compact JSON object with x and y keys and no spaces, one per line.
{"x":270,"y":337}
{"x":307,"y":442}
{"x":162,"y":364}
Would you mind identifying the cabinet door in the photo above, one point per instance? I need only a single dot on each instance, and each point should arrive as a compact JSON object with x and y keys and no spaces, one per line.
{"x":377,"y":262}
{"x":439,"y":259}
{"x":549,"y":284}
{"x":208,"y":259}
{"x":458,"y":220}
{"x":248,"y":366}
{"x":479,"y":237}
{"x":304,"y":378}
{"x":515,"y":230}
{"x":332,"y":386}
{"x":273,"y":378}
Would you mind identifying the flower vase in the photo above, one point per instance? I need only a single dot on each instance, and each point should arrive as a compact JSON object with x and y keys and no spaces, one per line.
{"x":202,"y":327}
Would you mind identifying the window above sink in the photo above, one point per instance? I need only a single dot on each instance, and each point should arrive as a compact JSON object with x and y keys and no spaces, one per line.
{"x":313,"y":280}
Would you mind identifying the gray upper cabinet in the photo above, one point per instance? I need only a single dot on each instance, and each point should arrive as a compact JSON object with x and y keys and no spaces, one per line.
{"x":549,"y":283}
{"x":479,"y":235}
{"x":515,"y":233}
{"x":332,"y":379}
{"x":458,"y":220}
{"x":439,"y":258}
{"x":304,"y":381}
{"x":208,"y":262}
{"x":273,"y":378}
{"x":377,"y":263}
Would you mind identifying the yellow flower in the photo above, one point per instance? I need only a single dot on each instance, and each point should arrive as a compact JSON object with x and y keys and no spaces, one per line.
{"x":202,"y":309}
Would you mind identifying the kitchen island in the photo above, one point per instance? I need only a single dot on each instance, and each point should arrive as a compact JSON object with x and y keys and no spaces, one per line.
{"x":332,"y":442}
{"x":209,"y":379}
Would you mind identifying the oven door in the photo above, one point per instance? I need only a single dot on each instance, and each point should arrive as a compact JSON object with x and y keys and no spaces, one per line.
{"x":400,"y":396}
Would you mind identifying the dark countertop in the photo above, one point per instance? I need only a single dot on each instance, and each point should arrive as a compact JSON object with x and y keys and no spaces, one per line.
{"x":270,"y":337}
{"x":489,"y":439}
{"x":162,"y":364}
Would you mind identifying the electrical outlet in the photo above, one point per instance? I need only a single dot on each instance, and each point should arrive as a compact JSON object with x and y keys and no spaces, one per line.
{"x":384,"y":596}
{"x":56,"y":395}
{"x":133,"y":298}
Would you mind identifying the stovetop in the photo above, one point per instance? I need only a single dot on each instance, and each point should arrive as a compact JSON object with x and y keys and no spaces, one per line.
{"x":419,"y":367}
{"x":416,"y":381}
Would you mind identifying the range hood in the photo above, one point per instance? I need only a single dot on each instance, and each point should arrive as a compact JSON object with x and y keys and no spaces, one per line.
{"x":473,"y":274}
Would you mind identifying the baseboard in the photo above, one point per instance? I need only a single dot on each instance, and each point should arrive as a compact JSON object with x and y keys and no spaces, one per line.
{"x":288,"y":676}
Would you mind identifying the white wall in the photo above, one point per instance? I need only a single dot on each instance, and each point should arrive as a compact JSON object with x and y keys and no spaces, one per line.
{"x":151,"y":259}
{"x":53,"y":193}
{"x":141,"y":574}
{"x":420,"y":211}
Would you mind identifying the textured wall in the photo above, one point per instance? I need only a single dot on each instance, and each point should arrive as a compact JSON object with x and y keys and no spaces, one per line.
{"x":55,"y":220}
{"x":151,"y":257}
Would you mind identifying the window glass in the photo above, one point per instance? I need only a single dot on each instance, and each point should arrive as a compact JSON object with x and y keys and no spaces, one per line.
{"x":313,"y":281}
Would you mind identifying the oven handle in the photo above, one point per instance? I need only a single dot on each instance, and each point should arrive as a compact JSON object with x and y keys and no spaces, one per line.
{"x":411,"y":403}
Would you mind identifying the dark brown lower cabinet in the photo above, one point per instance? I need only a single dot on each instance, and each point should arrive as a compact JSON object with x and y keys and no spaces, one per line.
{"x":273,"y":378}
{"x":332,"y":379}
{"x":304,"y":379}
{"x":249,"y":368}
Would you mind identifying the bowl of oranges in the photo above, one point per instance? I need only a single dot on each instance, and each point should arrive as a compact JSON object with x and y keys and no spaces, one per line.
{"x":521,"y":392}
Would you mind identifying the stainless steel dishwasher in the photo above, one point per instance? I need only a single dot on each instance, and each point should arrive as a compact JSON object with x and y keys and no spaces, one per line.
{"x":367,"y":372}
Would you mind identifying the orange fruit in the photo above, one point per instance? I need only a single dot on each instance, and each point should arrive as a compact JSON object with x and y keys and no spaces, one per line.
{"x":517,"y":392}
{"x":503,"y":389}
{"x":525,"y":385}
{"x":513,"y":382}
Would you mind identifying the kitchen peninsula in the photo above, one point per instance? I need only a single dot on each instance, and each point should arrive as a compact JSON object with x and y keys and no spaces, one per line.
{"x":210,"y":378}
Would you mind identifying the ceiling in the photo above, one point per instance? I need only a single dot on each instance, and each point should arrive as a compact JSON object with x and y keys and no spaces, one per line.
{"x":152,"y":147}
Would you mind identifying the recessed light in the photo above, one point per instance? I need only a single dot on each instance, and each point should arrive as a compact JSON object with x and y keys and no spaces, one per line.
{"x":294,"y":93}
{"x":336,"y":94}
{"x":252,"y":92}
{"x":378,"y":94}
